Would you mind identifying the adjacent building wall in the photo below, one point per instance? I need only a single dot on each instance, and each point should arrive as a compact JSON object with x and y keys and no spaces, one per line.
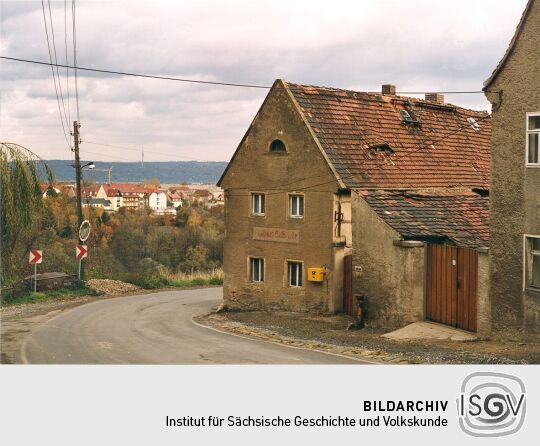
{"x":515,"y":189}
{"x":255,"y":169}
{"x":392,"y":277}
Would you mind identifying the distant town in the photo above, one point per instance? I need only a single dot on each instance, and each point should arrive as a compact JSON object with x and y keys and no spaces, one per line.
{"x":160,"y":199}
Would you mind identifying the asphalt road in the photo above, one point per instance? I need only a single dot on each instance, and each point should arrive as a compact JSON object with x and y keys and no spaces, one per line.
{"x":154,"y":328}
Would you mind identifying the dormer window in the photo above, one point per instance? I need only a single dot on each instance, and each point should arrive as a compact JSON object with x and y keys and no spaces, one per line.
{"x":473,"y":123}
{"x":277,"y":146}
{"x":409,"y":118}
{"x":533,"y":139}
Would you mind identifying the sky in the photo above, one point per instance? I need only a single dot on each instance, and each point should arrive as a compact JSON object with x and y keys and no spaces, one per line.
{"x":418,"y":45}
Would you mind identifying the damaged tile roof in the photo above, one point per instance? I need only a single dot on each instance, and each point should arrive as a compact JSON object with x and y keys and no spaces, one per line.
{"x":459,"y":217}
{"x":370,"y":146}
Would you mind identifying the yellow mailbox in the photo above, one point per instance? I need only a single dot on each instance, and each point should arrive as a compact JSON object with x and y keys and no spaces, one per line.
{"x":316,"y":274}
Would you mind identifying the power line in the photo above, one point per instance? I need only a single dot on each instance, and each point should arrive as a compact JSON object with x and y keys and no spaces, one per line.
{"x":74,"y":36}
{"x":137,"y":150}
{"x":53,"y":75}
{"x":56,"y":61}
{"x":147,"y":76}
{"x":197,"y":81}
{"x":67,"y":59}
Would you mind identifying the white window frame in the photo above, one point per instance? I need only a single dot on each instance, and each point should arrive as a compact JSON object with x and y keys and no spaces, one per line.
{"x":527,"y":133}
{"x":261,"y":202}
{"x":260,"y":269}
{"x":293,"y":196}
{"x":528,"y":258}
{"x":299,"y":276}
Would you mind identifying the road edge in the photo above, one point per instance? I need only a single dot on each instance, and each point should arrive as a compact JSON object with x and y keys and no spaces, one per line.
{"x":256,"y":338}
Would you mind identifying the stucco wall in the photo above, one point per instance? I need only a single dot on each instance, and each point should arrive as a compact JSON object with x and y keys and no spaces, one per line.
{"x":515,"y":189}
{"x":483,"y":307}
{"x":255,"y":169}
{"x":392,"y":277}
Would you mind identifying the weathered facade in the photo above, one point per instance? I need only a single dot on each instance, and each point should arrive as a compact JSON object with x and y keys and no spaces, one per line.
{"x":323,"y":174}
{"x":273,"y":235}
{"x":514,"y":91}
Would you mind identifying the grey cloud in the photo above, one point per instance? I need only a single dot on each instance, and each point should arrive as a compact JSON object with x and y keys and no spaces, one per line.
{"x":357,"y":45}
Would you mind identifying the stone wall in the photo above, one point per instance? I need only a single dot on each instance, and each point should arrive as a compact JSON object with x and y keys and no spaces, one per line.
{"x":392,"y":277}
{"x":515,"y":188}
{"x":47,"y":282}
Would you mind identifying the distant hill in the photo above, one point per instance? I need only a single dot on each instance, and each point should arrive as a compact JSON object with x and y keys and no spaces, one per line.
{"x":166,"y":172}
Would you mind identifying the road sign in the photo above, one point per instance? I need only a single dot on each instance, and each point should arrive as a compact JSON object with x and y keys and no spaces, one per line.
{"x":81,"y":251}
{"x":84,"y":231}
{"x":36,"y":256}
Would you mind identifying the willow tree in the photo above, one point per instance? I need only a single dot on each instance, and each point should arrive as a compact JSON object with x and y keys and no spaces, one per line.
{"x":21,"y":174}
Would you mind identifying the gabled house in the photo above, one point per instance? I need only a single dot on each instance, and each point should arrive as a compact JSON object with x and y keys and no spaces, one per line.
{"x":335,"y":194}
{"x":514,"y":91}
{"x":157,"y":199}
{"x":97,"y":203}
{"x":174,"y":199}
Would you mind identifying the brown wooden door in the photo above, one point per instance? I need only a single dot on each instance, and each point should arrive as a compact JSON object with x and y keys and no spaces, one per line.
{"x":452,"y":279}
{"x":347,"y":286}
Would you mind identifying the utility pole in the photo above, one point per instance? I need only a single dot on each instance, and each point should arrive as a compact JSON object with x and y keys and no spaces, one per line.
{"x":78,"y":175}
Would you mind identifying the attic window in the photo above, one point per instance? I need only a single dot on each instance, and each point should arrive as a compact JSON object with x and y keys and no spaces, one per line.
{"x":382,"y":148}
{"x":473,"y":123}
{"x":409,"y":118}
{"x":277,"y":146}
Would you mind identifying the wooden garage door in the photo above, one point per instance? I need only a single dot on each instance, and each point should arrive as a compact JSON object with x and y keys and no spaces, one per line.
{"x":452,"y":279}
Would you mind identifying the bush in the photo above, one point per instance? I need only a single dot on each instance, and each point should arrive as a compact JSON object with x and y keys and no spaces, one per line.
{"x":216,"y":280}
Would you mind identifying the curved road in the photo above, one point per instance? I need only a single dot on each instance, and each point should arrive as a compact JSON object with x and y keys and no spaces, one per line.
{"x":154,"y":328}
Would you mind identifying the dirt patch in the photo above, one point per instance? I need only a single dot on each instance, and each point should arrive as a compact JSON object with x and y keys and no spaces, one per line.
{"x":329,"y":333}
{"x":111,"y":287}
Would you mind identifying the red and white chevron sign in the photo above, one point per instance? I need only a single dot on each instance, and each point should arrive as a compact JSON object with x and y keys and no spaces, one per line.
{"x":81,"y":251}
{"x":36,"y":256}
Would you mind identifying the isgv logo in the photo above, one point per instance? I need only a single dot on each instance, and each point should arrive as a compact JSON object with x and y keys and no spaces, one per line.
{"x":491,"y":404}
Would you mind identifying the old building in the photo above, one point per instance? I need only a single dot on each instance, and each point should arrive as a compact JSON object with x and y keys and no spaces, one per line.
{"x":514,"y":91}
{"x":334,"y":192}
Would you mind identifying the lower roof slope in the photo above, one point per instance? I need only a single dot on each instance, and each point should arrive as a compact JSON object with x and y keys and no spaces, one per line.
{"x":461,"y":218}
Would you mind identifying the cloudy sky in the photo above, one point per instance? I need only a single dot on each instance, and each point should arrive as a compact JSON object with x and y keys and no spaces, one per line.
{"x":417,"y":45}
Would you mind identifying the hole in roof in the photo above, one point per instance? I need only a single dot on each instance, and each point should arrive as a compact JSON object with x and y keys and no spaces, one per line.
{"x":381,"y":148}
{"x":277,"y":146}
{"x":473,"y":123}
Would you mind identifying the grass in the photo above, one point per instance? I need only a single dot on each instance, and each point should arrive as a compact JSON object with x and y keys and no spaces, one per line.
{"x":74,"y":290}
{"x":201,"y":278}
{"x":178,"y":280}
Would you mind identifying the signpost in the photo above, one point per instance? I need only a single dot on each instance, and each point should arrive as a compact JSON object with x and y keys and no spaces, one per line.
{"x":35,"y":257}
{"x":81,"y":251}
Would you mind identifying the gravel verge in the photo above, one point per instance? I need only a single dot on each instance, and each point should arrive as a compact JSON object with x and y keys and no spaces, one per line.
{"x":329,"y":333}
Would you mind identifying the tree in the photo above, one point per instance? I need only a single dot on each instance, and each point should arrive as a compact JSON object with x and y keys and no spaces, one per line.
{"x":195,"y":258}
{"x":20,"y":201}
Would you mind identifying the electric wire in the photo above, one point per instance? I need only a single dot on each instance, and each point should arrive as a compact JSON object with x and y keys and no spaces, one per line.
{"x":74,"y":38}
{"x":138,"y":150}
{"x":56,"y":62}
{"x":67,"y":60}
{"x":197,"y":81}
{"x":53,"y":75}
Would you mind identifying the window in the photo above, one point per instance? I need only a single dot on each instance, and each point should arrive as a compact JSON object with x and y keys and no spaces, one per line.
{"x":277,"y":146}
{"x":256,"y":269}
{"x":533,"y":139}
{"x":532,"y":262}
{"x":257,"y":204}
{"x":295,"y":274}
{"x":296,"y":206}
